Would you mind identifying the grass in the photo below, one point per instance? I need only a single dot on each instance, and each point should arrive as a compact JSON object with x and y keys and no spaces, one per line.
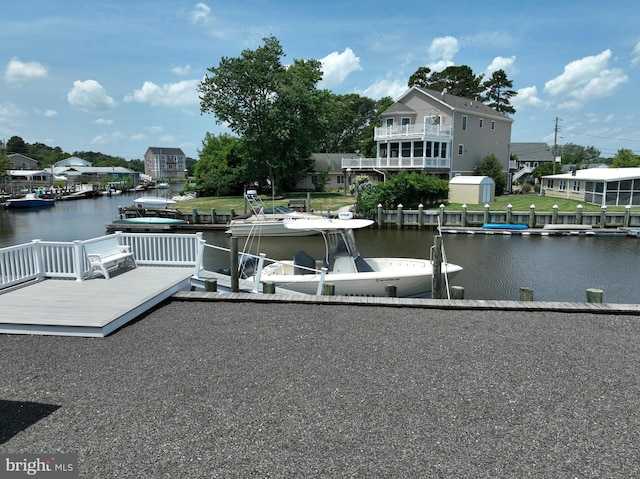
{"x":334,"y":200}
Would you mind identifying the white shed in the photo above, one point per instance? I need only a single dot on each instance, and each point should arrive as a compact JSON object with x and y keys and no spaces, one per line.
{"x":474,"y":190}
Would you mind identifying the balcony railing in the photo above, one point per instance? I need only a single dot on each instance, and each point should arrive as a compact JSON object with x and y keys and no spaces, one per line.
{"x":412,"y":131}
{"x":395,"y":163}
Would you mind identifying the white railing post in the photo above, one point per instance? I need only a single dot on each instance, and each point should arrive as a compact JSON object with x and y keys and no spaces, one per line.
{"x":199,"y":255}
{"x":323,"y":273}
{"x":256,"y":284}
{"x":78,"y":259}
{"x":37,"y":256}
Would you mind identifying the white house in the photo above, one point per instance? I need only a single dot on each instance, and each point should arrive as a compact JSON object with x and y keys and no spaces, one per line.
{"x":598,"y":186}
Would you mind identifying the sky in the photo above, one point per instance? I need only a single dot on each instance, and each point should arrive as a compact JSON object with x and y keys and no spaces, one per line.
{"x":117,"y":77}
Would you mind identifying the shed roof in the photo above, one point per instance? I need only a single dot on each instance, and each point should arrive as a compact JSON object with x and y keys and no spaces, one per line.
{"x":471,"y":180}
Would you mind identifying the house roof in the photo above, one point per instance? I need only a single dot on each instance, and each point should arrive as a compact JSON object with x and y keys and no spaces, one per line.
{"x":160,"y":150}
{"x":333,"y":161}
{"x":599,"y":174}
{"x":531,"y":151}
{"x":460,"y":103}
{"x":398,"y":108}
{"x":91,"y":169}
{"x":72,"y":161}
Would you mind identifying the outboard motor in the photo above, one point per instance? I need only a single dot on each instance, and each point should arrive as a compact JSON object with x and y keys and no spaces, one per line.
{"x":247,"y":265}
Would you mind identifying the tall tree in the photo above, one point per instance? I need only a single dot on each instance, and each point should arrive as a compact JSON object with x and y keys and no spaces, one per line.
{"x":275,"y":109}
{"x":499,"y":92}
{"x":219,"y":170}
{"x":420,"y":77}
{"x":577,"y":154}
{"x":459,"y":81}
{"x":17,"y":145}
{"x":625,"y":158}
{"x":491,"y":167}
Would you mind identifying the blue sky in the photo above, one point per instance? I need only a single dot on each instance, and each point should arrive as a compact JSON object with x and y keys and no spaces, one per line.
{"x":119,"y":76}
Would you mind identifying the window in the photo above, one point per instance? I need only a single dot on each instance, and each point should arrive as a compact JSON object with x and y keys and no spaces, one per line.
{"x":481,"y":122}
{"x":576,"y":187}
{"x":389,"y":122}
{"x":443,"y":150}
{"x":406,"y":149}
{"x":562,"y":185}
{"x":460,"y":149}
{"x":405,"y":121}
{"x":550,"y":184}
{"x":493,"y":125}
{"x":417,"y":149}
{"x":464,"y":123}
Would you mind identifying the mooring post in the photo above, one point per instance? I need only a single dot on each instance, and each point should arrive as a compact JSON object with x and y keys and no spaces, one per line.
{"x":399,"y":218}
{"x":213,"y":216}
{"x":436,"y":263}
{"x":579,"y":214}
{"x":509,"y":213}
{"x":194,"y":216}
{"x":487,"y":216}
{"x":526,"y":294}
{"x":307,"y":207}
{"x":269,"y":287}
{"x":233,"y":264}
{"x":554,"y":215}
{"x":532,"y":216}
{"x":457,"y":292}
{"x":463,"y":221}
{"x":603,"y":216}
{"x":328,"y":289}
{"x":379,"y":216}
{"x":594,"y":295}
{"x":627,"y":216}
{"x":441,"y":213}
{"x":210,"y":285}
{"x":391,"y":291}
{"x":420,"y":216}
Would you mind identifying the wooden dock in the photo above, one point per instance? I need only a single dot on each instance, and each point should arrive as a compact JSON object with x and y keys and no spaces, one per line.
{"x":93,"y":308}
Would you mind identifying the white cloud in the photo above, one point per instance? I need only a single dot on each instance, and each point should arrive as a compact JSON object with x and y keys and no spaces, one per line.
{"x":635,"y":55}
{"x":90,"y":96}
{"x":173,"y":95}
{"x":106,"y":138}
{"x":585,"y":79}
{"x":525,"y":97}
{"x":200,"y":14}
{"x":382,"y":88}
{"x":441,"y":52}
{"x":103,"y":121}
{"x":45,"y":113}
{"x":182,"y":70}
{"x":9,"y":112}
{"x":167,"y":139}
{"x":502,"y":63}
{"x":18,"y":72}
{"x":337,"y":66}
{"x":139,"y":137}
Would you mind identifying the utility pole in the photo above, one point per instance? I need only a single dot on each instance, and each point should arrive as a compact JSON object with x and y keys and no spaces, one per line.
{"x":555,"y":145}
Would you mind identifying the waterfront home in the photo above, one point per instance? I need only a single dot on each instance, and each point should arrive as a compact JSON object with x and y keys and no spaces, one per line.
{"x":598,"y":186}
{"x":165,"y":162}
{"x":437,"y":133}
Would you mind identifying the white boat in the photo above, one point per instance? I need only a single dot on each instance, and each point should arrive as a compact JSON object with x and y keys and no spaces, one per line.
{"x":163,"y":185}
{"x":263,"y":222}
{"x":153,"y":202}
{"x":351,"y":274}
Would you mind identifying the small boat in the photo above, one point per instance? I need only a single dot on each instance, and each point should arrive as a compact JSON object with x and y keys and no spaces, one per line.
{"x":145,"y":223}
{"x":31,"y":200}
{"x":350,"y":273}
{"x":153,"y":202}
{"x":504,"y":226}
{"x":163,"y":185}
{"x":263,"y":222}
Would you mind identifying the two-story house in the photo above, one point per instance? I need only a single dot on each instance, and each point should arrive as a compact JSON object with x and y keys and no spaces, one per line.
{"x":165,"y":163}
{"x":21,"y":162}
{"x":438,"y":133}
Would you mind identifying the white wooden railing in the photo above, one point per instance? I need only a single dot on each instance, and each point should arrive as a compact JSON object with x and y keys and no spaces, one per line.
{"x":39,"y":259}
{"x":416,"y":130}
{"x":395,"y":163}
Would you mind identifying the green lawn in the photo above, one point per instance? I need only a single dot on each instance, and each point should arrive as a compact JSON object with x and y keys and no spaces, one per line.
{"x":333,"y":201}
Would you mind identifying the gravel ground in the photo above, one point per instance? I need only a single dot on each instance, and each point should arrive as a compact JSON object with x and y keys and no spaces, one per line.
{"x":237,"y":390}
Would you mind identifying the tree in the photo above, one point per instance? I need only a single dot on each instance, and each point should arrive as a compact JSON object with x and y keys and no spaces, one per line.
{"x":625,"y":159}
{"x":17,"y":145}
{"x":420,"y":77}
{"x":577,"y":155}
{"x":5,"y":165}
{"x":499,"y":92}
{"x":491,"y":167}
{"x":368,"y":146}
{"x":219,"y":171}
{"x":275,"y":109}
{"x":459,"y":81}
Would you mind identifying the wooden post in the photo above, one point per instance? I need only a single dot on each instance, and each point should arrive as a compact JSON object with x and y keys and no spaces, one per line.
{"x":487,"y":216}
{"x":594,"y":295}
{"x":420,"y":216}
{"x":627,"y":216}
{"x":463,"y":221}
{"x":269,"y":287}
{"x":213,"y":216}
{"x":391,"y":291}
{"x":532,"y":216}
{"x":579,"y":214}
{"x":194,"y":216}
{"x":441,"y":213}
{"x":307,"y":206}
{"x":457,"y":292}
{"x":233,"y":264}
{"x":436,"y":278}
{"x":603,"y":216}
{"x":380,"y":219}
{"x":210,"y":285}
{"x":509,"y":213}
{"x":554,"y":215}
{"x":399,"y":219}
{"x":526,"y":294}
{"x":232,"y":213}
{"x":328,"y":289}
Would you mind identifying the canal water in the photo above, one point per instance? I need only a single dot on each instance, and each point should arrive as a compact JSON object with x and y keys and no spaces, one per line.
{"x":557,"y":268}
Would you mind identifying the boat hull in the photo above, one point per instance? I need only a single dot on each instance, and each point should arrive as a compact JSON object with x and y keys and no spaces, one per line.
{"x":153,"y":202}
{"x":30,"y":203}
{"x":411,"y":277}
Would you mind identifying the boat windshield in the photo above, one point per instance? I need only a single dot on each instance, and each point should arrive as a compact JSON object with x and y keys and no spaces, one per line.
{"x":340,"y":243}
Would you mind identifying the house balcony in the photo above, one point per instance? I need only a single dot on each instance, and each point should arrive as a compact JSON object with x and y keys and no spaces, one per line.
{"x":404,"y":163}
{"x":413,"y":131}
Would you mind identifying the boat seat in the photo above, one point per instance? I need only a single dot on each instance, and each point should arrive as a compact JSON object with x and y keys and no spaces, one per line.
{"x":362,"y":266}
{"x":343,"y":264}
{"x":308,"y":263}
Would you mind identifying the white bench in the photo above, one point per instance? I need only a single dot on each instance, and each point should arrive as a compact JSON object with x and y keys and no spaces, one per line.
{"x":107,"y":253}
